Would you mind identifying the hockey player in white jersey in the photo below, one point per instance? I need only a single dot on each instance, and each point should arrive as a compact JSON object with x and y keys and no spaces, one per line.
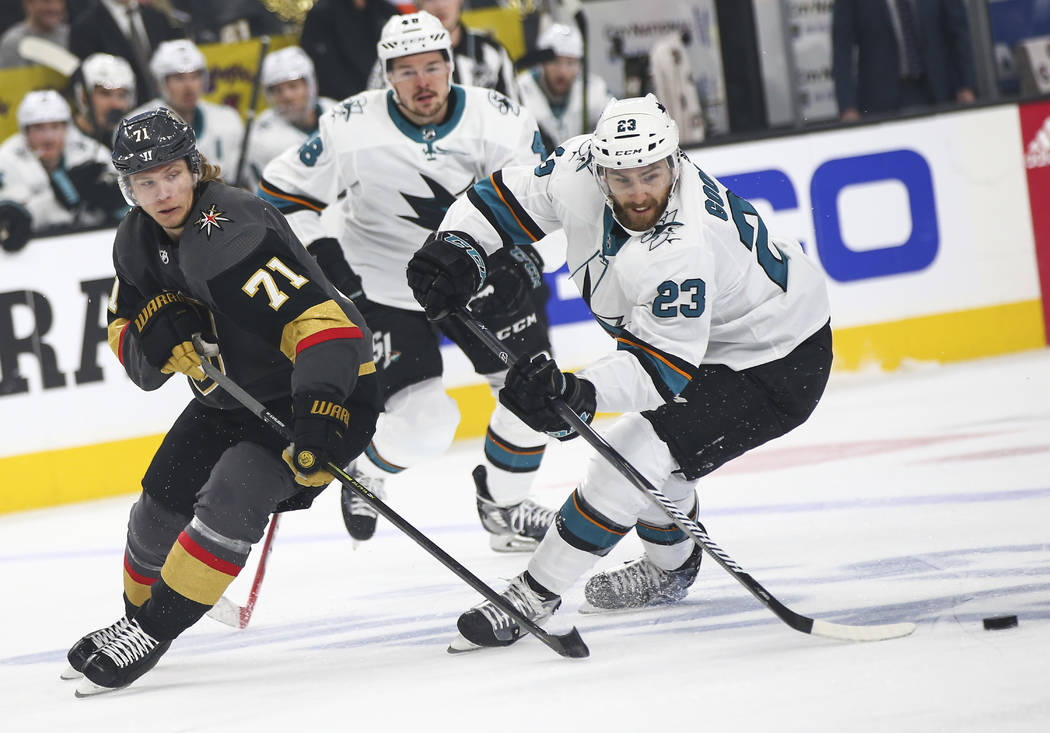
{"x":104,"y":91}
{"x":403,"y":155}
{"x":181,"y":72}
{"x":553,"y":89}
{"x":53,"y":177}
{"x":290,"y":85}
{"x":723,"y":342}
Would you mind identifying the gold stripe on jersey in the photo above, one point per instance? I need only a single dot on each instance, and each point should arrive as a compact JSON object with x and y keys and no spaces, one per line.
{"x":113,"y":333}
{"x":319,"y":323}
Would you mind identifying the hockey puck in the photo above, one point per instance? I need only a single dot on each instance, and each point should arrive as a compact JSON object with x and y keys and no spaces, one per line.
{"x":999,"y":622}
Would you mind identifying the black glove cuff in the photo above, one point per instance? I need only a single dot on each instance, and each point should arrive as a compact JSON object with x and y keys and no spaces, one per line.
{"x":329,"y":255}
{"x":467,"y":246}
{"x":174,"y":315}
{"x":321,"y":421}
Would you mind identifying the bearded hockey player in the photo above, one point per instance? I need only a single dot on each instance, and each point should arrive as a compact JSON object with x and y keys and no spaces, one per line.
{"x":403,"y":155}
{"x":181,"y":72}
{"x":104,"y":88}
{"x":290,"y":85}
{"x":197,"y":256}
{"x":722,"y":333}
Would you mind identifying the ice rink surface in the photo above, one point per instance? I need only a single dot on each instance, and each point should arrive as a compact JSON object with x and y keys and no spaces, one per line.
{"x":918,"y":496}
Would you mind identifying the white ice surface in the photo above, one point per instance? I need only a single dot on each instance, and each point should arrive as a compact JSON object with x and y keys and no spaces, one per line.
{"x":921,"y":496}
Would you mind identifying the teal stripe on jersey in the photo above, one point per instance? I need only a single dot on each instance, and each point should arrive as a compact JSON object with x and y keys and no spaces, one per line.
{"x":504,"y":217}
{"x":656,"y":368}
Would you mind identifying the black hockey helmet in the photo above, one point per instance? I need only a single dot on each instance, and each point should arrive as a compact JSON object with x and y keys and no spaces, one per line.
{"x":150,"y":139}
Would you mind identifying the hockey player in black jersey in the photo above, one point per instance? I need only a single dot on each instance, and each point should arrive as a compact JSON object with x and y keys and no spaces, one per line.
{"x":195,"y":255}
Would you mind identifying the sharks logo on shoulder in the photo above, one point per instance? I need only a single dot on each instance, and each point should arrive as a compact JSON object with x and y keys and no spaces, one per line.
{"x":352,"y":106}
{"x":664,"y":232}
{"x":431,"y":210}
{"x":504,"y":105}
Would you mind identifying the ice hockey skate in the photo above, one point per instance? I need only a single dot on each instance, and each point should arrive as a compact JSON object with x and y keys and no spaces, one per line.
{"x":486,"y":625}
{"x":514,"y":528}
{"x":126,"y":656}
{"x":358,"y":516}
{"x":639,"y":584}
{"x":80,"y":652}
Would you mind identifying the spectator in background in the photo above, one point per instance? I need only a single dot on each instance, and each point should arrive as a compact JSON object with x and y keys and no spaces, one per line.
{"x":51,"y":176}
{"x":553,"y":89}
{"x":290,"y":85}
{"x":104,"y":89}
{"x":480,"y":60}
{"x":340,"y":36}
{"x":181,"y":73}
{"x":43,"y":19}
{"x":909,"y":54}
{"x":207,"y":21}
{"x":123,"y":28}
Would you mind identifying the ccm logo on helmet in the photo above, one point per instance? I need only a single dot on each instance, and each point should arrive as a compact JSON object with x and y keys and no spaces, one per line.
{"x":620,"y":153}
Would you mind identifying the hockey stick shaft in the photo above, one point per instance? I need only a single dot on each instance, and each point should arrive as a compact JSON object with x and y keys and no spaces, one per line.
{"x":226,"y":611}
{"x":249,"y":119}
{"x":568,"y":645}
{"x":693,"y":530}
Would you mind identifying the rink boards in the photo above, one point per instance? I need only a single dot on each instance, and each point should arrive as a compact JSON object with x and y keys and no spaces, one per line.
{"x":925,"y":228}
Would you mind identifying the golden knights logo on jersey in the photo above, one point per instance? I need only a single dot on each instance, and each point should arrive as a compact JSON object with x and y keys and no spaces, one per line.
{"x":211,"y":218}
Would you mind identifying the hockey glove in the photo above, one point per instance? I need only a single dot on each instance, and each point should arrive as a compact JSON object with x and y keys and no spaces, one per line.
{"x":319,"y":426}
{"x":16,"y":226}
{"x":514,"y":272}
{"x":329,"y":255}
{"x":96,"y":182}
{"x":164,"y":326}
{"x":531,"y":385}
{"x":445,"y":272}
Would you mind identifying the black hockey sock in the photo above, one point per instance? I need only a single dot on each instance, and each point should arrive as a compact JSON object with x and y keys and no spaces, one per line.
{"x":544,"y":593}
{"x":167,"y":613}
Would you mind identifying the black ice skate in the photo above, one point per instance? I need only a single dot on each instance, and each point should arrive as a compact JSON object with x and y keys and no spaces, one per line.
{"x":486,"y":625}
{"x":121,"y":660}
{"x":80,"y":652}
{"x":515,"y":528}
{"x":638,"y":584}
{"x":358,"y":516}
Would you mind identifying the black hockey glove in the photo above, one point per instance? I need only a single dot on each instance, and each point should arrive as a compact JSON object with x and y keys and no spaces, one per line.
{"x":96,"y":182}
{"x":64,"y":189}
{"x":533,"y":382}
{"x":329,"y":255}
{"x":164,"y":326}
{"x":514,"y":272}
{"x":446,"y":271}
{"x":16,"y":226}
{"x":319,"y":426}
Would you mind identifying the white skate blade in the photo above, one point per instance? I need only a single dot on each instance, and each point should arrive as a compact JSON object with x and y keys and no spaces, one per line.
{"x":511,"y":543}
{"x":87,"y":688}
{"x":70,"y":674}
{"x":460,"y":645}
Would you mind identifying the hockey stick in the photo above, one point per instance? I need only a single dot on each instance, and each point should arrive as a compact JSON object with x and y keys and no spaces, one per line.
{"x":249,"y":119}
{"x":48,"y":53}
{"x":568,"y":645}
{"x":805,"y":624}
{"x":226,"y":611}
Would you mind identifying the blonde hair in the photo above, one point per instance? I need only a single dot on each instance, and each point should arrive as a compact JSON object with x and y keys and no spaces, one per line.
{"x":209,"y":171}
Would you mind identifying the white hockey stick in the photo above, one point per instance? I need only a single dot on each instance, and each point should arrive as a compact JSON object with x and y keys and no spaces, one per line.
{"x":49,"y":54}
{"x":228,"y":612}
{"x":696,"y":532}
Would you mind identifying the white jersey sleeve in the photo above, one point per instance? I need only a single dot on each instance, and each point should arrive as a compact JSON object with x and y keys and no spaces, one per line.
{"x":302,"y":181}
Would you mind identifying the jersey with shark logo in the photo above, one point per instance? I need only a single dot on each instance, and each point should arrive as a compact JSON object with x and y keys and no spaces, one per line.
{"x":708,"y":284}
{"x":399,"y":178}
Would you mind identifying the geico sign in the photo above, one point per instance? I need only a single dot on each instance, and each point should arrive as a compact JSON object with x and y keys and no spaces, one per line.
{"x":841,"y":263}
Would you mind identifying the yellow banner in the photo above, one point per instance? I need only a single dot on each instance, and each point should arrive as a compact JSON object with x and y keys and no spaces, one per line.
{"x":15,"y":84}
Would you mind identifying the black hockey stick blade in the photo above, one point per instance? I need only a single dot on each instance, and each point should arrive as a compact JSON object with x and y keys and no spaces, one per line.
{"x":567,"y":645}
{"x":805,"y":624}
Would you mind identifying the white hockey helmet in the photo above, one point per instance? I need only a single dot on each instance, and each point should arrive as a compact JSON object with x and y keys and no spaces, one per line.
{"x":286,"y":65}
{"x":45,"y":105}
{"x":107,"y":71}
{"x":180,"y":56}
{"x":563,"y":40}
{"x":407,"y":35}
{"x":633,"y":133}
